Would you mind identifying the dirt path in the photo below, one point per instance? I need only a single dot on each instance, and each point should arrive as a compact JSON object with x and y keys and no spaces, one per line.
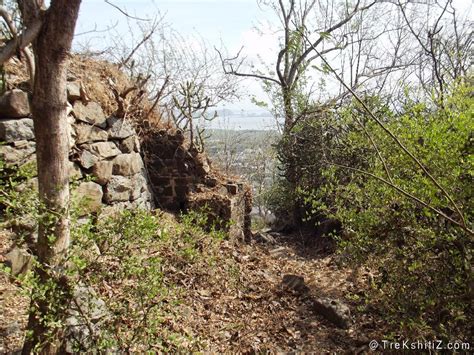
{"x":266,"y":317}
{"x":239,"y":304}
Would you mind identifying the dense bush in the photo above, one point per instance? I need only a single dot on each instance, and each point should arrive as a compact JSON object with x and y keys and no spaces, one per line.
{"x":422,"y":260}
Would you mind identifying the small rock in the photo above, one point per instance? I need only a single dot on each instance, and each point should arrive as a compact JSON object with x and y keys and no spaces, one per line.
{"x":14,"y":104}
{"x":86,"y":314}
{"x":87,"y":134}
{"x":91,"y":113}
{"x":104,"y":150}
{"x":119,"y":128}
{"x":16,"y":130}
{"x":127,"y":164}
{"x":334,"y":311}
{"x":294,"y":283}
{"x":280,"y":252}
{"x":262,"y":237}
{"x":19,"y":260}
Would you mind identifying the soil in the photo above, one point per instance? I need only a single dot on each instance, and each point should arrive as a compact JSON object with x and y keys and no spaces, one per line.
{"x":261,"y":316}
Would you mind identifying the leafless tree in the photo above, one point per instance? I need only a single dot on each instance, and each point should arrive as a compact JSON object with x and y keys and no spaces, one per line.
{"x":442,"y":43}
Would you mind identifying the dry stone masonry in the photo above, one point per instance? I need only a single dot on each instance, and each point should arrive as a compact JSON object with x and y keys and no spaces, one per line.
{"x":109,"y":172}
{"x":105,"y":155}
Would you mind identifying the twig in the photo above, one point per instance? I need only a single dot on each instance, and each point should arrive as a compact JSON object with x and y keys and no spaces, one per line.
{"x":125,"y":13}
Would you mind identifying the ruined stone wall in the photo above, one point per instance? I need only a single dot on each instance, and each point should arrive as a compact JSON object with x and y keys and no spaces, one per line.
{"x":183,"y":179}
{"x":109,"y":150}
{"x":105,"y":148}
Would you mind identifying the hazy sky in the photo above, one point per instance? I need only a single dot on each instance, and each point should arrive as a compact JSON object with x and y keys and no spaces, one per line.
{"x":231,"y":22}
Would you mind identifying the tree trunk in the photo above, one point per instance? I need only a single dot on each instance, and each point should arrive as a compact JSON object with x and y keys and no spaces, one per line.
{"x":49,"y":108}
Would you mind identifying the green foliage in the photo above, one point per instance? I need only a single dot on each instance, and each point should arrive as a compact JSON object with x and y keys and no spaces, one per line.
{"x":280,"y":197}
{"x":133,"y":260}
{"x":423,"y":260}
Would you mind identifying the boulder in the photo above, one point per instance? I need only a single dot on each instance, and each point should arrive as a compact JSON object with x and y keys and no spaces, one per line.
{"x":14,"y":104}
{"x":89,"y":197}
{"x":91,"y":113}
{"x":118,"y":189}
{"x":19,"y":261}
{"x":16,"y":130}
{"x":87,"y":134}
{"x":104,"y":150}
{"x":19,"y":153}
{"x":119,"y":128}
{"x":127,"y":164}
{"x":102,"y":171}
{"x":334,"y":311}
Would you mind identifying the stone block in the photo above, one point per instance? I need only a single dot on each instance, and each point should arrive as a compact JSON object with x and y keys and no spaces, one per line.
{"x":181,"y":191}
{"x":102,"y":171}
{"x":127,"y":164}
{"x":16,"y":130}
{"x":19,"y":261}
{"x":18,"y":153}
{"x":73,"y":90}
{"x":130,"y":144}
{"x":87,"y":134}
{"x":14,"y":104}
{"x":167,"y":191}
{"x":89,"y":197}
{"x":91,"y":113}
{"x":104,"y":150}
{"x":119,"y":128}
{"x":160,"y":181}
{"x":119,"y":189}
{"x":75,"y":171}
{"x":139,"y":186}
{"x":86,"y":159}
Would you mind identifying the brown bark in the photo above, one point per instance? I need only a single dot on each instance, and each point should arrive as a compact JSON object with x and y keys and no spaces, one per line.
{"x":49,"y":108}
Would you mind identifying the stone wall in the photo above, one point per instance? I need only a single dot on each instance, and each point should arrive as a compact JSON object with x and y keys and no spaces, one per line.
{"x":104,"y":148}
{"x":106,"y":162}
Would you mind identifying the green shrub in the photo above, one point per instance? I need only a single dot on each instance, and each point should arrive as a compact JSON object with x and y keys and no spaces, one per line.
{"x":422,"y":260}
